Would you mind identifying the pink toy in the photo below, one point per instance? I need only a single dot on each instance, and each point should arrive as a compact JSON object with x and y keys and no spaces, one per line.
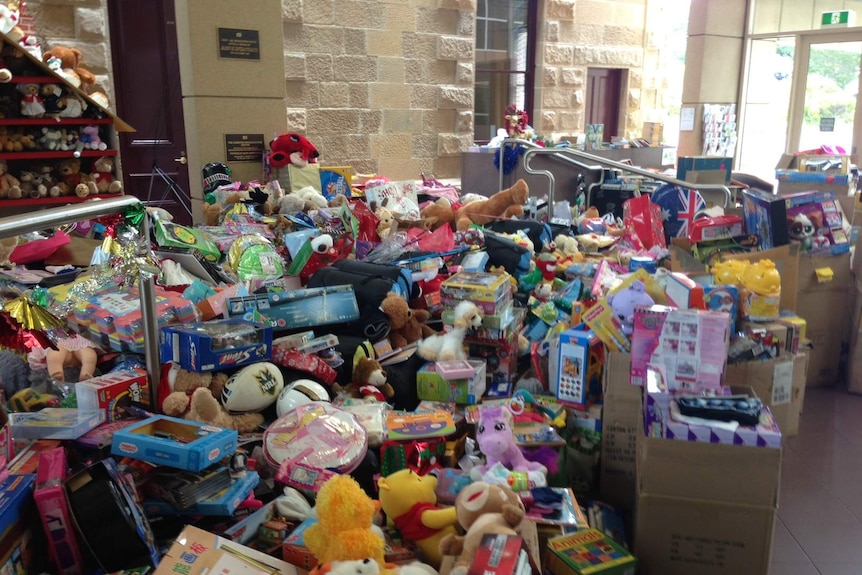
{"x":54,"y":510}
{"x":625,"y":301}
{"x":90,"y":138}
{"x":496,"y":439}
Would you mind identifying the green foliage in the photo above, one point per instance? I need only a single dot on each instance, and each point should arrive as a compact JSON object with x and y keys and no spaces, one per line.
{"x":824,"y":98}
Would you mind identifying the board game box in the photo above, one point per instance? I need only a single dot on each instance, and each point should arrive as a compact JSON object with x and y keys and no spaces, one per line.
{"x":587,"y":552}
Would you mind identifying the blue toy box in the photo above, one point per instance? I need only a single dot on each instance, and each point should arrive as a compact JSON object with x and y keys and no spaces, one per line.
{"x":222,"y":504}
{"x":298,"y":308}
{"x":216,"y":345}
{"x":174,"y":442}
{"x":578,"y":368}
{"x":16,"y":494}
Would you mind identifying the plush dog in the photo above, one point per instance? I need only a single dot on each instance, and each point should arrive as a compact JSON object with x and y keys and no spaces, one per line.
{"x":502,"y":205}
{"x":449,"y":346}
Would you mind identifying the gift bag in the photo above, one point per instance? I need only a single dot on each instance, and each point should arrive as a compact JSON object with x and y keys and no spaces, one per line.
{"x":293,"y":178}
{"x":643,"y":224}
{"x":419,"y":455}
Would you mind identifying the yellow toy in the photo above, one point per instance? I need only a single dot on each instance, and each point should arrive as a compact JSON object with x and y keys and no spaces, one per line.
{"x":343,"y":529}
{"x":728,"y":272}
{"x":409,"y":500}
{"x":760,"y":291}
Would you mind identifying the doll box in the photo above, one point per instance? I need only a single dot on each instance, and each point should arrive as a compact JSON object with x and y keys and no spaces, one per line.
{"x":112,"y":392}
{"x":174,"y":442}
{"x":431,"y":385}
{"x":476,"y":287}
{"x":216,"y":345}
{"x":54,"y":510}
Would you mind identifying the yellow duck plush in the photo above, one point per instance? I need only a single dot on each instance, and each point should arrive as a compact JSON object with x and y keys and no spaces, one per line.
{"x":343,"y":529}
{"x":409,"y":500}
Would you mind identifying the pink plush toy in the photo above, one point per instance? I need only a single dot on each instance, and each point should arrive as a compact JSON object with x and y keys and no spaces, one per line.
{"x":496,"y":439}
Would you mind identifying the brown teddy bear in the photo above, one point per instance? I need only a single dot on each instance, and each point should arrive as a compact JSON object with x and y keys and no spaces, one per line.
{"x":203,"y":406}
{"x":103,"y":176}
{"x":10,"y":187}
{"x":368,"y":383}
{"x":482,"y":509}
{"x":406,"y":325}
{"x":438,"y":213}
{"x":502,"y":205}
{"x":70,"y":174}
{"x":70,"y":60}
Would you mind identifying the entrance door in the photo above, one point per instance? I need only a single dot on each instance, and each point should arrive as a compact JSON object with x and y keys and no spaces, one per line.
{"x":603,"y":99}
{"x":147,"y":84}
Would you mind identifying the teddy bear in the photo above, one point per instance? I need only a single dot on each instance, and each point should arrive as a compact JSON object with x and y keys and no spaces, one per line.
{"x":406,"y":325}
{"x":81,"y":184}
{"x":72,"y":106}
{"x":103,"y":176}
{"x":50,"y":139}
{"x":32,"y":104}
{"x":368,"y":382}
{"x":203,"y":406}
{"x":387,"y":224}
{"x":45,"y":177}
{"x":624,"y":302}
{"x":51,"y":99}
{"x":482,"y":509}
{"x":69,"y":60}
{"x":502,"y":205}
{"x":7,"y":246}
{"x":449,"y":346}
{"x":343,"y":531}
{"x":313,"y":200}
{"x":291,"y":204}
{"x":438,"y":213}
{"x":292,"y":149}
{"x":10,"y":187}
{"x":409,"y":500}
{"x":31,"y":186}
{"x":22,"y":140}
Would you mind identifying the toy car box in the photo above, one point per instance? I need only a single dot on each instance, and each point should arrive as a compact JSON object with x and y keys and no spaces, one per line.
{"x":222,"y":504}
{"x":433,"y":386}
{"x":113,"y":391}
{"x":216,"y":345}
{"x":174,"y":442}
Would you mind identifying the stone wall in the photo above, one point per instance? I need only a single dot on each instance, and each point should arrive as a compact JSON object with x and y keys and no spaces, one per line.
{"x":388,"y":86}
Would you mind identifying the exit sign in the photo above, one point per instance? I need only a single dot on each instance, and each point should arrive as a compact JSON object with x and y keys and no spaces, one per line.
{"x":838,"y":18}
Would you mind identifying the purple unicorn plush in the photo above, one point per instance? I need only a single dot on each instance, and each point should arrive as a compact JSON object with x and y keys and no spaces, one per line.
{"x":496,"y":439}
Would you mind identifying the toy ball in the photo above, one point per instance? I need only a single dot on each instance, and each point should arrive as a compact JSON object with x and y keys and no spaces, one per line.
{"x":253,"y":388}
{"x":299,"y":392}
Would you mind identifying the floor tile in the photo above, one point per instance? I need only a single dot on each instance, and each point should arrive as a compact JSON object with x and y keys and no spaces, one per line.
{"x":824,"y":544}
{"x":785,"y":549}
{"x":784,"y":568}
{"x":801,"y":508}
{"x":839,"y":568}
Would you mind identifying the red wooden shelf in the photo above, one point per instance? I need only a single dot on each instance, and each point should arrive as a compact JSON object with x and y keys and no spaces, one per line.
{"x":51,"y":201}
{"x":52,"y":121}
{"x":34,"y":80}
{"x":55,"y":155}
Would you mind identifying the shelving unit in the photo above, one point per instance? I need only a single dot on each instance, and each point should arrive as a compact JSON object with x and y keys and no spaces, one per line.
{"x":59,"y":201}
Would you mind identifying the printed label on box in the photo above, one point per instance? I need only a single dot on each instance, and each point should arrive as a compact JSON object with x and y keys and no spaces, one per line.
{"x":782,"y":383}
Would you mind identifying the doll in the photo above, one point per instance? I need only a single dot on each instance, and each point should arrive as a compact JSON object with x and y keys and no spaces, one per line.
{"x":76,"y":351}
{"x":31,"y":103}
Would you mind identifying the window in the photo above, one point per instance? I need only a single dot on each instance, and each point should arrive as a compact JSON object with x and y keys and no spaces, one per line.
{"x":505,"y":57}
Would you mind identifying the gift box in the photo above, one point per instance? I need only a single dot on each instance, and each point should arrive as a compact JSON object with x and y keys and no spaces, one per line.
{"x":216,"y":345}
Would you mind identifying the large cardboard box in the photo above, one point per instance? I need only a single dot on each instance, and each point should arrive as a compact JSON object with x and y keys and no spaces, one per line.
{"x":779,"y":383}
{"x":705,"y":509}
{"x":704,"y":169}
{"x":854,"y":356}
{"x":786,"y":260}
{"x":622,"y":406}
{"x":823,"y":301}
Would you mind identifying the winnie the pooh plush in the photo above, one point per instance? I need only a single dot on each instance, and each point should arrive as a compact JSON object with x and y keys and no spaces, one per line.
{"x":482,"y":509}
{"x":410,"y":501}
{"x":203,"y":406}
{"x":502,"y":205}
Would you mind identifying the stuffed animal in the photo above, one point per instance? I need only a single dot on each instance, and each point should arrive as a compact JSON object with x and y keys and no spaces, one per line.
{"x":100,"y":98}
{"x":10,"y":187}
{"x":70,"y":60}
{"x":81,"y":184}
{"x":502,"y":205}
{"x":91,"y":140}
{"x":22,"y":140}
{"x":496,"y":439}
{"x":9,"y":15}
{"x":449,"y":346}
{"x":624,"y":302}
{"x":482,"y":509}
{"x":406,"y":325}
{"x":50,"y":139}
{"x":368,"y":566}
{"x":387,"y":224}
{"x":31,"y":186}
{"x":368,"y":382}
{"x":292,"y":149}
{"x":51,"y":99}
{"x":410,"y":501}
{"x":203,"y":405}
{"x":103,"y":176}
{"x":438,"y":213}
{"x":343,"y":530}
{"x":7,"y":246}
{"x":45,"y":177}
{"x":72,"y":106}
{"x":32,"y":104}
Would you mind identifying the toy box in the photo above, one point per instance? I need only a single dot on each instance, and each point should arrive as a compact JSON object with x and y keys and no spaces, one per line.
{"x":216,"y":345}
{"x":722,"y":298}
{"x":819,"y":225}
{"x":704,"y":169}
{"x":293,"y":549}
{"x":54,"y":510}
{"x":688,"y":347}
{"x":475,"y":286}
{"x":499,"y":320}
{"x":765,"y":215}
{"x":432,"y":386}
{"x":54,"y":423}
{"x":587,"y":552}
{"x":683,"y":292}
{"x":15,"y":497}
{"x":222,"y":504}
{"x":298,"y":308}
{"x":196,"y":552}
{"x":578,"y":368}
{"x":113,"y":391}
{"x":709,"y":252}
{"x":174,"y":442}
{"x":717,"y":228}
{"x":500,"y":357}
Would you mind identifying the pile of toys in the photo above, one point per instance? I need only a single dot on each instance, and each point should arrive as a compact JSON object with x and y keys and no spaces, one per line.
{"x":376,"y":376}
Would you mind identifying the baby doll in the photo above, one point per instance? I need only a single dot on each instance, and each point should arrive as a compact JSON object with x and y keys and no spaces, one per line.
{"x":76,"y":351}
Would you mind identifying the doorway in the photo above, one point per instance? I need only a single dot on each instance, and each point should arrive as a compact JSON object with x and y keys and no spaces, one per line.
{"x":603,"y":99}
{"x":146,"y":74}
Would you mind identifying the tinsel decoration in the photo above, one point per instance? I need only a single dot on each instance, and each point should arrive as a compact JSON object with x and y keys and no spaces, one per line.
{"x":16,"y":338}
{"x":28,"y":325}
{"x":511,"y":156}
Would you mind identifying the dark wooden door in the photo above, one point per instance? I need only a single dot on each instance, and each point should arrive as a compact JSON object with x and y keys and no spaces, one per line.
{"x":147,"y":85}
{"x":603,"y":99}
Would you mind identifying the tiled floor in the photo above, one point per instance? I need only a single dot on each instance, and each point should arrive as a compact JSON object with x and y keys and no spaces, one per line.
{"x":820,"y":509}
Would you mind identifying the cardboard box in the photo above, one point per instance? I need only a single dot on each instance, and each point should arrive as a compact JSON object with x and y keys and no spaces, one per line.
{"x":113,"y":391}
{"x":779,"y":383}
{"x":174,"y":442}
{"x":704,"y":169}
{"x":814,"y":163}
{"x":586,"y":552}
{"x":622,"y":406}
{"x":854,"y":357}
{"x":216,"y":345}
{"x":431,"y":386}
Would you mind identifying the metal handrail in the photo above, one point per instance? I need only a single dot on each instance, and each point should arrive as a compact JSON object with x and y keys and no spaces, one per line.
{"x":53,"y":217}
{"x":533,"y":146}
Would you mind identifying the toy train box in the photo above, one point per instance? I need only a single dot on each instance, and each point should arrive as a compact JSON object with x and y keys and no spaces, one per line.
{"x":113,"y":392}
{"x":216,"y":345}
{"x":221,"y":504}
{"x":174,"y":442}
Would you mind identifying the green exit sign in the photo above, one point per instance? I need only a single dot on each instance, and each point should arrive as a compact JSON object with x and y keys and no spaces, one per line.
{"x":838,"y":18}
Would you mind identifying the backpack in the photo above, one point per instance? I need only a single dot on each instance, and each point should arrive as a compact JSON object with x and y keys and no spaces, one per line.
{"x":503,"y":252}
{"x":538,"y":232}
